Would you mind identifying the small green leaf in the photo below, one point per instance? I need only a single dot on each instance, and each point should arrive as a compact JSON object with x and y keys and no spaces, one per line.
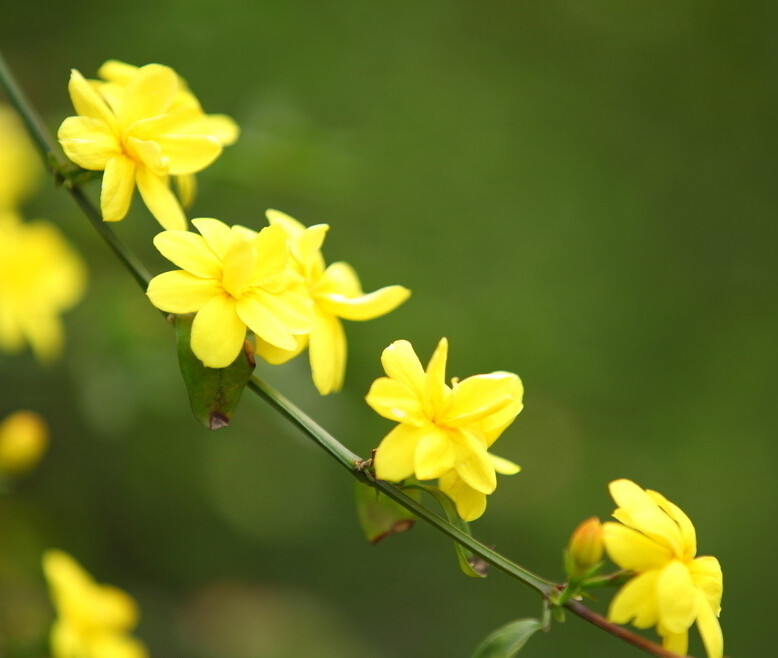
{"x":213,"y":392}
{"x":379,"y":515}
{"x":470,"y":564}
{"x":508,"y":640}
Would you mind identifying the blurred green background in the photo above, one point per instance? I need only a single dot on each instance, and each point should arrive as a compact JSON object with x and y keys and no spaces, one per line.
{"x":582,"y":193}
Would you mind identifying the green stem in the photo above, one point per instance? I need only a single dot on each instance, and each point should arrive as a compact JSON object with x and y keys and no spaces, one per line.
{"x":332,"y":446}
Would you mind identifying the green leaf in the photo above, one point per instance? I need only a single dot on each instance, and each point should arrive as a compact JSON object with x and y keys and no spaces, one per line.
{"x":508,"y":640}
{"x":213,"y":392}
{"x":379,"y":515}
{"x":470,"y":564}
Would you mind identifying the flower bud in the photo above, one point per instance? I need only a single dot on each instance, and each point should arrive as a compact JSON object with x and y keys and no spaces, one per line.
{"x":585,"y":550}
{"x":23,"y":440}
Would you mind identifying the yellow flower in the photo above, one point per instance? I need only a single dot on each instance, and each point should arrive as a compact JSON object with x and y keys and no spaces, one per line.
{"x":140,"y":131}
{"x":93,"y":620}
{"x":671,"y":588}
{"x":19,"y":164}
{"x":443,"y":431}
{"x":23,"y":440}
{"x":40,"y":277}
{"x":336,"y":294}
{"x":118,"y":74}
{"x":232,"y":278}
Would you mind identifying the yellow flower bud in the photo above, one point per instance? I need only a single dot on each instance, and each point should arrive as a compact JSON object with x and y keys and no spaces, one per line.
{"x":23,"y":440}
{"x":585,"y":549}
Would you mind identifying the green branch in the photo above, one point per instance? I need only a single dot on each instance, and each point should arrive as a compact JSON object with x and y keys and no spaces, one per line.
{"x":321,"y":437}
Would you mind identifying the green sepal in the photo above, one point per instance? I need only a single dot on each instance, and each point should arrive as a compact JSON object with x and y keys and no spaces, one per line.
{"x":379,"y":515}
{"x":213,"y":392}
{"x":470,"y":564}
{"x":508,"y":640}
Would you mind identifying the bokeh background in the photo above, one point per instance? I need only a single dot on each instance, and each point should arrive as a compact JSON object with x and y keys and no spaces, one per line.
{"x":582,"y":193}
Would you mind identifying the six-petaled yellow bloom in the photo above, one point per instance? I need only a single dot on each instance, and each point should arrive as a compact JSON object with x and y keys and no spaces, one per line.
{"x":40,"y":277}
{"x":671,"y":589}
{"x":140,"y":131}
{"x":444,"y":431}
{"x":336,"y":294}
{"x":118,"y":74}
{"x":93,"y":620}
{"x":233,"y":279}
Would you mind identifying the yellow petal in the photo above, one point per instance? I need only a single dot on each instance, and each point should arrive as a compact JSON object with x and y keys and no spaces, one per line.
{"x":45,"y":334}
{"x":87,"y":101}
{"x":494,"y":425}
{"x":684,"y":523}
{"x":217,"y":333}
{"x":473,"y":464}
{"x":394,"y":458}
{"x":292,"y":307}
{"x":639,"y":511}
{"x":271,"y":245}
{"x":710,"y":629}
{"x":115,"y":71}
{"x":675,"y":642}
{"x":160,"y":200}
{"x":396,"y":401}
{"x":676,"y":598}
{"x":181,"y":292}
{"x":327,"y":352}
{"x":632,"y":550}
{"x":276,"y":356}
{"x":707,"y":577}
{"x":340,"y":278}
{"x":186,"y":184}
{"x":149,"y":154}
{"x":116,"y":646}
{"x":401,"y":363}
{"x":254,"y":312}
{"x":471,"y":504}
{"x":188,"y":154}
{"x":148,"y":93}
{"x":293,"y":228}
{"x":190,"y":252}
{"x":118,"y":185}
{"x":222,"y":127}
{"x":88,"y":142}
{"x":435,"y":389}
{"x":503,"y":466}
{"x":366,"y":307}
{"x":476,"y":398}
{"x":306,"y":250}
{"x":637,"y":601}
{"x":238,"y":266}
{"x":435,"y":454}
{"x":218,"y":235}
{"x":111,"y":608}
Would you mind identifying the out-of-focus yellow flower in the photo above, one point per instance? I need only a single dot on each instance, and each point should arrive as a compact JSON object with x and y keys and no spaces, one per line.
{"x":19,"y":164}
{"x":584,"y":552}
{"x":40,"y":277}
{"x":23,"y":440}
{"x":93,"y":620}
{"x":444,"y":431}
{"x":336,"y":294}
{"x":140,"y":131}
{"x":671,"y":589}
{"x":232,"y":278}
{"x":220,"y":126}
